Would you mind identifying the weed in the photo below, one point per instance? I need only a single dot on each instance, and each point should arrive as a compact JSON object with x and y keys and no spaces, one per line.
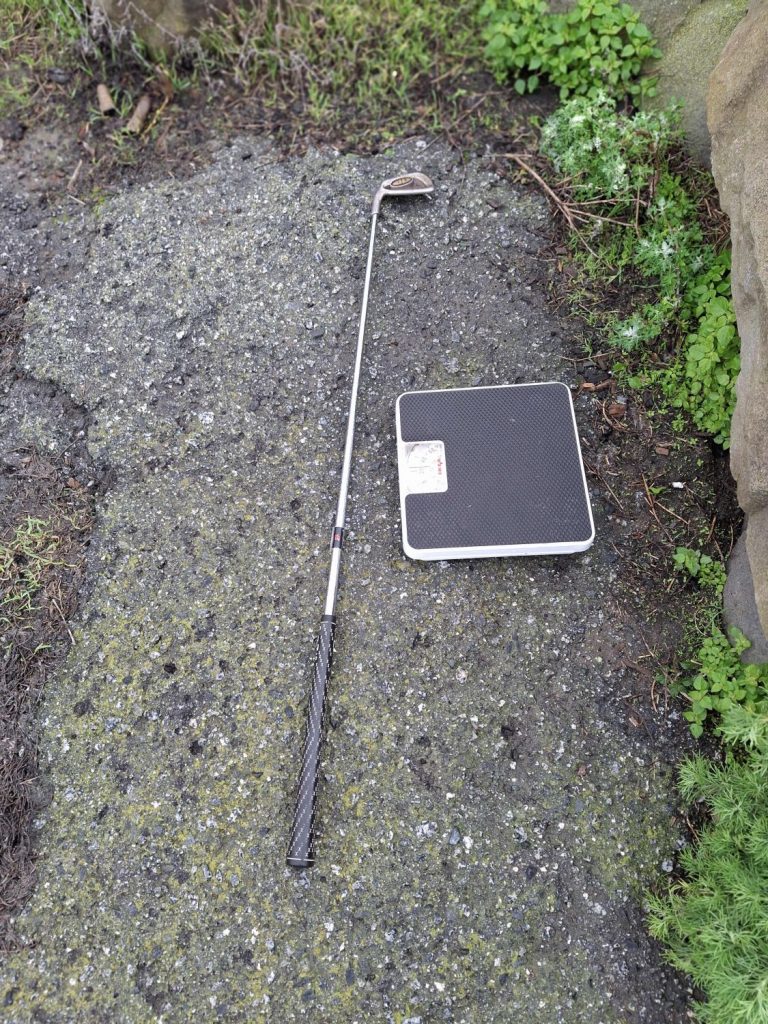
{"x":720,"y":680}
{"x":36,"y":36}
{"x":598,"y":46}
{"x":44,"y":529}
{"x":345,"y":67}
{"x":713,"y":921}
{"x":336,"y":53}
{"x":708,"y":572}
{"x":23,"y":560}
{"x":703,"y":381}
{"x":638,"y":220}
{"x":723,"y":680}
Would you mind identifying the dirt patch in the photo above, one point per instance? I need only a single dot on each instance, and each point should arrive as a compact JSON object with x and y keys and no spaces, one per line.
{"x":61,"y":145}
{"x":45,"y":526}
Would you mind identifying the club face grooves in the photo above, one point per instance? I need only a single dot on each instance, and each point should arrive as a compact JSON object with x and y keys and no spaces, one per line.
{"x":414,"y":183}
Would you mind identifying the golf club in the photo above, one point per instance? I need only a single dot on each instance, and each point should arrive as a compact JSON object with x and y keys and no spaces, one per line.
{"x":301,"y":848}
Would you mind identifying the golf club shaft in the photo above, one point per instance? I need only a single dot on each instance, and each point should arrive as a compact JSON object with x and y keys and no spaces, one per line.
{"x":301,"y":846}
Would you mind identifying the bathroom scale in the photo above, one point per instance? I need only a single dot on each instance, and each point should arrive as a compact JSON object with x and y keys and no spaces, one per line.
{"x":491,"y":471}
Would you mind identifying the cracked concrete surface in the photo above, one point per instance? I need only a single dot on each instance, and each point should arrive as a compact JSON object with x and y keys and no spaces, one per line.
{"x":488,"y":817}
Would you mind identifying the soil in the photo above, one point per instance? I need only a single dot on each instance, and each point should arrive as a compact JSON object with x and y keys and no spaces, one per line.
{"x":664,"y":491}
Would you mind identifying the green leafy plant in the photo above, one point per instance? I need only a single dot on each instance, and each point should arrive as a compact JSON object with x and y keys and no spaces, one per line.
{"x":713,"y":921}
{"x":645,"y":223}
{"x":604,"y":154}
{"x":703,"y":382}
{"x":637,"y":219}
{"x":720,"y":680}
{"x":707,"y":571}
{"x":597,"y":46}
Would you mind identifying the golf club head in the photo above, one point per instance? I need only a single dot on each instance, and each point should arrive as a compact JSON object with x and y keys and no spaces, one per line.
{"x":412,"y":184}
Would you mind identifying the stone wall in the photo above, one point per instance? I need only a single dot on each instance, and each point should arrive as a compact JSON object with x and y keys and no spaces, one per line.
{"x":690,"y":51}
{"x":738,"y":122}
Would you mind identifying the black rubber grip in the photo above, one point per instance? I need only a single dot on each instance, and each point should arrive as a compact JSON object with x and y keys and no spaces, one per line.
{"x":301,"y":853}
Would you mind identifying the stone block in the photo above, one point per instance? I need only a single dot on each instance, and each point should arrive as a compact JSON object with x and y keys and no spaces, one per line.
{"x":689,"y":55}
{"x":738,"y":123}
{"x":161,"y":24}
{"x":740,"y":609}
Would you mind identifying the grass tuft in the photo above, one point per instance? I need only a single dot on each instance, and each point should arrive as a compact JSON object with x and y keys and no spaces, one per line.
{"x":37,"y":39}
{"x":337,"y":65}
{"x":713,"y":922}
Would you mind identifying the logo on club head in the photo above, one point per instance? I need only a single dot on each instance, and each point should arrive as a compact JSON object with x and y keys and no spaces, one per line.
{"x":401,"y":182}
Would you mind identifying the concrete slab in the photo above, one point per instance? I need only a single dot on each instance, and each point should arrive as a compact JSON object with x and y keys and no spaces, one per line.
{"x":489,"y":818}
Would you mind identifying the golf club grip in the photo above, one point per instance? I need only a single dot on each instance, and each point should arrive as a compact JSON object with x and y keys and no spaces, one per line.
{"x":301,"y":852}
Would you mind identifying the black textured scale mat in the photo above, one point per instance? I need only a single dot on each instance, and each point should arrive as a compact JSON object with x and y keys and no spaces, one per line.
{"x":491,"y":471}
